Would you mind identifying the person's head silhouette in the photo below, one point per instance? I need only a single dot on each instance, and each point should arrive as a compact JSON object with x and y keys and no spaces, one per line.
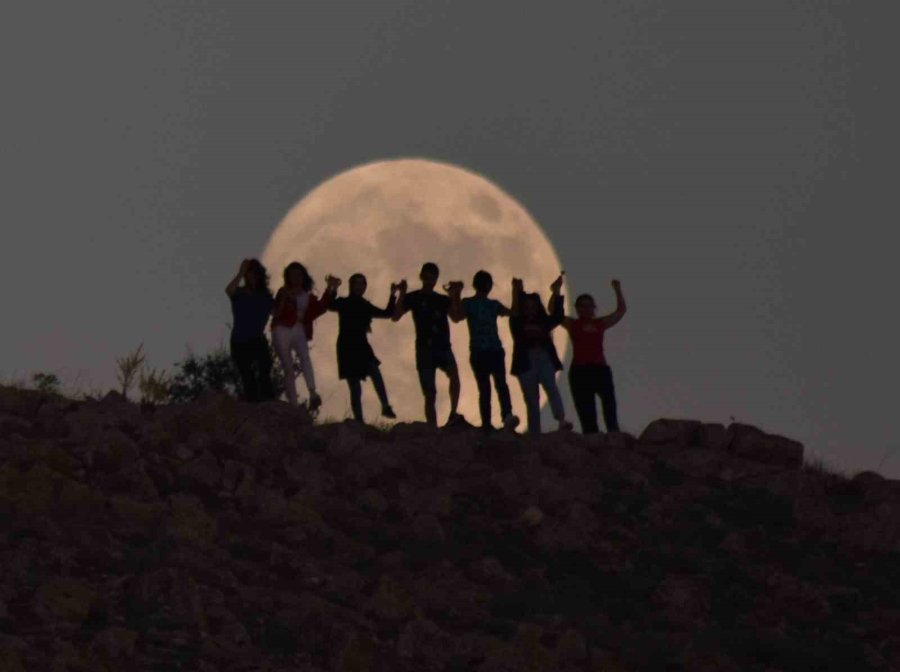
{"x":429,"y":275}
{"x":256,"y":278}
{"x":358,"y":284}
{"x":297,"y":277}
{"x":585,"y":307}
{"x":483,"y":282}
{"x":532,"y":308}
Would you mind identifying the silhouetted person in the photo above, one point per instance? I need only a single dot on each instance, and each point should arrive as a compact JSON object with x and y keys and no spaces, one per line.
{"x":535,"y":361}
{"x":590,"y":375}
{"x":296,"y":308}
{"x":486,"y":353}
{"x":251,"y":307}
{"x":356,"y":359}
{"x":433,"y":350}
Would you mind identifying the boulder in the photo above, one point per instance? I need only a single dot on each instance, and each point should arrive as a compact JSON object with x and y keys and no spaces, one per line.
{"x":63,"y":599}
{"x":751,"y":443}
{"x":677,"y":433}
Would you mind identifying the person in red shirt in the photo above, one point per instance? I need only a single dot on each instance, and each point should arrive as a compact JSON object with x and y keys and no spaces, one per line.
{"x":589,"y":374}
{"x":296,"y":308}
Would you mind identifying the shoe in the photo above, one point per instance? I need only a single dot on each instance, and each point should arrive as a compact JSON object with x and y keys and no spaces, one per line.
{"x":315,"y":401}
{"x":510,"y":421}
{"x":565,"y":426}
{"x":388,"y":412}
{"x":455,"y":419}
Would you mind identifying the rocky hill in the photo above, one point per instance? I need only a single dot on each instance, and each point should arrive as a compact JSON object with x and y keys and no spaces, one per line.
{"x":222,"y":536}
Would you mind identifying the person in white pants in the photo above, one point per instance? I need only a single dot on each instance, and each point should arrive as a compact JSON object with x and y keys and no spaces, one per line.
{"x":296,"y":308}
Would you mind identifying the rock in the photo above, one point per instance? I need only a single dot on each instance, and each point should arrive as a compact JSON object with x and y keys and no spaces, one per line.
{"x":115,"y":642}
{"x":713,"y":436}
{"x":373,"y":500}
{"x":222,"y":535}
{"x":532,"y":516}
{"x":348,"y":439}
{"x":619,"y":441}
{"x":678,"y":433}
{"x":391,"y":601}
{"x":571,"y":647}
{"x":752,"y":443}
{"x":63,"y":599}
{"x":113,"y":451}
{"x":188,"y":520}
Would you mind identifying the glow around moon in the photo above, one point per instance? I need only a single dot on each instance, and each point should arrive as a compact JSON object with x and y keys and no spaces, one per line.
{"x":385,"y":219}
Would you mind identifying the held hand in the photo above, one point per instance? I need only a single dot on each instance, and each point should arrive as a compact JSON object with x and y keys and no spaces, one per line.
{"x":402,"y":286}
{"x":454,"y":287}
{"x":332,"y":282}
{"x":395,"y":287}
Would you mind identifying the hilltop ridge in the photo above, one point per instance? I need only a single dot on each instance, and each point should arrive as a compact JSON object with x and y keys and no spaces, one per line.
{"x":219,"y":535}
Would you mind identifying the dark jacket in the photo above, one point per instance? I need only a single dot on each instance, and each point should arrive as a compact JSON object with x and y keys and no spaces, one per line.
{"x":520,"y":363}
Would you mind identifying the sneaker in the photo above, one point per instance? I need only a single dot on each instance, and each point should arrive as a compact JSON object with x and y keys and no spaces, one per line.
{"x":388,"y":412}
{"x":314,"y":401}
{"x":565,"y":426}
{"x":510,"y":421}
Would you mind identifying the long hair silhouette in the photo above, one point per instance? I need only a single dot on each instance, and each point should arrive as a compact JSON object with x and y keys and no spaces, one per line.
{"x":306,"y":283}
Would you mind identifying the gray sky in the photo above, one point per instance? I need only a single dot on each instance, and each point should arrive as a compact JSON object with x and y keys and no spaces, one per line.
{"x":732,"y":162}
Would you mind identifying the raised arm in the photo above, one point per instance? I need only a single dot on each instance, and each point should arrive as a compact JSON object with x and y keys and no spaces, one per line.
{"x":454,"y":291}
{"x":232,"y":287}
{"x":614,"y":317}
{"x":556,"y":305}
{"x":399,"y":308}
{"x":387,"y":311}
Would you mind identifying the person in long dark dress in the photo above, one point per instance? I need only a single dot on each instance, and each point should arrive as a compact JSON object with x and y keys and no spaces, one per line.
{"x":356,"y":359}
{"x":251,"y":306}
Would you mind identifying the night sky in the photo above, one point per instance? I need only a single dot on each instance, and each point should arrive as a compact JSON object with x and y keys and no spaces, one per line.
{"x":732,"y":162}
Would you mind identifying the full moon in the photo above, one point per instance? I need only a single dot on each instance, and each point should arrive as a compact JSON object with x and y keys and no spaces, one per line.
{"x":384,"y":220}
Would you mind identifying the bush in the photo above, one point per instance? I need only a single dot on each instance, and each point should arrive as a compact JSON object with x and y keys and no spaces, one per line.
{"x":197,"y":374}
{"x":46,"y":382}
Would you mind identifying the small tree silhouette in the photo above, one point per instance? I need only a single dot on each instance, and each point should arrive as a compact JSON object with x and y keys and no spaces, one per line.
{"x":154,"y":385}
{"x":46,"y":382}
{"x":128,"y":369}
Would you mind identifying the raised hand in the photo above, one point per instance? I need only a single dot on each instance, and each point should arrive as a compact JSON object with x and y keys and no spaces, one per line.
{"x":616,"y":285}
{"x":332,"y":282}
{"x":402,"y":285}
{"x":558,"y":283}
{"x":245,"y":266}
{"x":518,"y":284}
{"x":454,"y":287}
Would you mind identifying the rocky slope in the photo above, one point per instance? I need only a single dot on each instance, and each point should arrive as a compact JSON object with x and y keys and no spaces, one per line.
{"x":220,"y":536}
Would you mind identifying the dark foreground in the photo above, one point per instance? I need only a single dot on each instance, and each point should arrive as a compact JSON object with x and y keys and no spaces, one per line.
{"x":218,"y":536}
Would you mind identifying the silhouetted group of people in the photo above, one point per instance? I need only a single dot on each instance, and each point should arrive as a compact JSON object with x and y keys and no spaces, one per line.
{"x":293,"y":310}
